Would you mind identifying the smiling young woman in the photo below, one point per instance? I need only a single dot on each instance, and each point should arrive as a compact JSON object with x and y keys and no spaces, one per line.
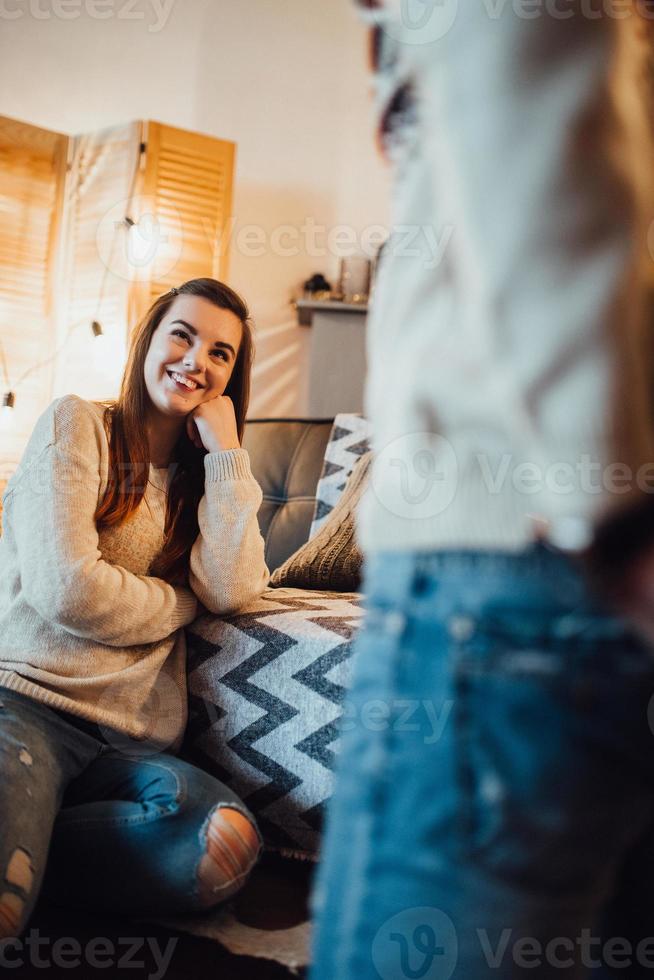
{"x":201,"y":331}
{"x":124,"y":520}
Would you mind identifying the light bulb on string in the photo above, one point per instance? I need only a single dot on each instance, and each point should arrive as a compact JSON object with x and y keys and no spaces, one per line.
{"x":100,"y":347}
{"x":142,"y":238}
{"x":8,"y":414}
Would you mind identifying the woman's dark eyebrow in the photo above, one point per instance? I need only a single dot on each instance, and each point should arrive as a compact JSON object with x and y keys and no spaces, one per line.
{"x":218,"y":343}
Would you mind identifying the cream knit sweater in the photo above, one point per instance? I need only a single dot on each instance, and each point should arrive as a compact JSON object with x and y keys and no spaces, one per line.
{"x":86,"y":626}
{"x":509,"y":368}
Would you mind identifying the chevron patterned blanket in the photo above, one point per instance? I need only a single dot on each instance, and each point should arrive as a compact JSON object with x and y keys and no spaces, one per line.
{"x":266,"y":688}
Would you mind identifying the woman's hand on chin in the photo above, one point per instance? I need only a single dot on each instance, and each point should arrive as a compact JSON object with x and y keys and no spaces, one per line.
{"x":213,"y":425}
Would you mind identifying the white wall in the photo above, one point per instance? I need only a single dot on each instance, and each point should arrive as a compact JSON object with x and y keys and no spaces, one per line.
{"x":285,"y":79}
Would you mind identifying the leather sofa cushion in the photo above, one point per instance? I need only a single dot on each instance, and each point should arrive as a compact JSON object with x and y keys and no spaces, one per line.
{"x":286,"y":456}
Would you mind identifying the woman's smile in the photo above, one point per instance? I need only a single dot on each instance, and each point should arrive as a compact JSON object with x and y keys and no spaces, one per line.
{"x":181,"y":386}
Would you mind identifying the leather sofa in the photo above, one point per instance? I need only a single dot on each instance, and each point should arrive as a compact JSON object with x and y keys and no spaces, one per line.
{"x":266,"y":685}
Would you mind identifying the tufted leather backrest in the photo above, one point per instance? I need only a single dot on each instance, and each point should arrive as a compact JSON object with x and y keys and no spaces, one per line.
{"x":286,"y":457}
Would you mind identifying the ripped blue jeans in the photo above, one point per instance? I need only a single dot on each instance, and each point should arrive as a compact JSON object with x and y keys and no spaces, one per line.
{"x":493,"y":814}
{"x":87,"y":825}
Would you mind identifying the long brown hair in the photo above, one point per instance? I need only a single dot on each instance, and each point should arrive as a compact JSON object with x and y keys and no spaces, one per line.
{"x":129,"y":451}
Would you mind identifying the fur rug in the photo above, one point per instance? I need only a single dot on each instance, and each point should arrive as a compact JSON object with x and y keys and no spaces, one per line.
{"x":269,"y":919}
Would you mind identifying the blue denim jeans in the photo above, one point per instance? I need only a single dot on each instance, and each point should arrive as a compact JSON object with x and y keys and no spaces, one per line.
{"x":87,"y":825}
{"x":493,"y":814}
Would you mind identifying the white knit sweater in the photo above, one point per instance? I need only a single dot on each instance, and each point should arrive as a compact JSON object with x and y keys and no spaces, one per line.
{"x":509,"y":367}
{"x":85,"y":625}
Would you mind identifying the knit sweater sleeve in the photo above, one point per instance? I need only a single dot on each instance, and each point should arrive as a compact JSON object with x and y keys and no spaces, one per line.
{"x":227,"y":565}
{"x":63,"y":575}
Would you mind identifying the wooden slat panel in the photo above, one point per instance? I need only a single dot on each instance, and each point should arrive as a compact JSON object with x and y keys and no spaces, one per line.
{"x":32,"y":176}
{"x":189,"y":177}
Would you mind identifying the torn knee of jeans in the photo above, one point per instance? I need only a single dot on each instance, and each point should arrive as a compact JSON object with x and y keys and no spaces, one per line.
{"x":11,"y":912}
{"x":20,"y":871}
{"x":233,"y":846}
{"x":19,"y":874}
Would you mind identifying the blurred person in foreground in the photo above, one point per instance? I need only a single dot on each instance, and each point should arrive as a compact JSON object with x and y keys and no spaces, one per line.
{"x":494,"y":805}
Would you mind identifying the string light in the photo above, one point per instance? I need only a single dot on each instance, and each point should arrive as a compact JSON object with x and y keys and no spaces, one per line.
{"x":100,"y":344}
{"x":9,"y":397}
{"x":100,"y":348}
{"x":139,"y":240}
{"x":7,"y":415}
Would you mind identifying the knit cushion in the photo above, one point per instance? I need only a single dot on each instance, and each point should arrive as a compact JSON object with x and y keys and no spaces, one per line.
{"x":332,"y":559}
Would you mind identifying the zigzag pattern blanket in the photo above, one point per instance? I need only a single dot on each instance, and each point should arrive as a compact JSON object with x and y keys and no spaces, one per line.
{"x":266,"y":688}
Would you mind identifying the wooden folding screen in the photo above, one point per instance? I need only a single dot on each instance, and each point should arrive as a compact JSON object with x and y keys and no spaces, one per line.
{"x":94,"y":227}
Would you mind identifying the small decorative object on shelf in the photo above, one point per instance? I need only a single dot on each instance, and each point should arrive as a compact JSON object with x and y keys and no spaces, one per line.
{"x":317,"y":287}
{"x":354,"y":279}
